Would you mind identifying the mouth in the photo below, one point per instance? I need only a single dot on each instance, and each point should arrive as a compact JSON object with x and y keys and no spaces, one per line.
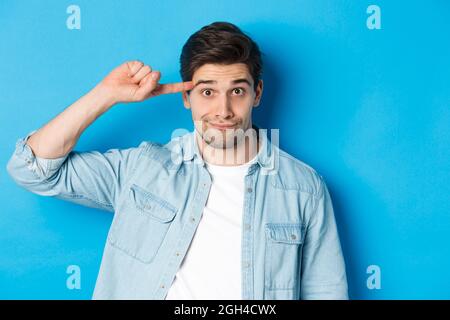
{"x":222,"y":126}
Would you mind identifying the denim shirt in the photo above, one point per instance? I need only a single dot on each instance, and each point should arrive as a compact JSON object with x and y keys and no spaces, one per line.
{"x":290,"y":243}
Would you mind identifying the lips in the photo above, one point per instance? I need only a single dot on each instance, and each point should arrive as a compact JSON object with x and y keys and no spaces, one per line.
{"x":223,"y":126}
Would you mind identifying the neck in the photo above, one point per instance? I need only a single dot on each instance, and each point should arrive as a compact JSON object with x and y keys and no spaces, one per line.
{"x":241,"y":153}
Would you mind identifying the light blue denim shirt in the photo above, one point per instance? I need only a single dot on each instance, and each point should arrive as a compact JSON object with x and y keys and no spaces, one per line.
{"x":290,"y":243}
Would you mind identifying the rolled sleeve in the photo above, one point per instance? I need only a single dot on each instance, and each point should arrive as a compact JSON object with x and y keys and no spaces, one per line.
{"x":92,"y":178}
{"x":24,"y":163}
{"x":323,"y":275}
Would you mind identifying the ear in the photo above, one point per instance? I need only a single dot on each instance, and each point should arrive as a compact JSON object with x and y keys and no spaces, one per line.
{"x":258,"y":95}
{"x":186,"y":102}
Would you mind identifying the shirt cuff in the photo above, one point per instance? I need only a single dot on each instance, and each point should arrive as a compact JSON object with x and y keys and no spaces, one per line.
{"x":42,"y":166}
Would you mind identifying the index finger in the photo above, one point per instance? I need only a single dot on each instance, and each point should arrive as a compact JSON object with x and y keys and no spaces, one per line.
{"x":174,"y":87}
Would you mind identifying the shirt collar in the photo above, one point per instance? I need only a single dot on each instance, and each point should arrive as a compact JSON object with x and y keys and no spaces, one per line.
{"x":265,"y":157}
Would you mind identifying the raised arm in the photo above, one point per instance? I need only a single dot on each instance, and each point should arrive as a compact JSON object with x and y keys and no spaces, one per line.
{"x":131,"y":82}
{"x":44,"y":161}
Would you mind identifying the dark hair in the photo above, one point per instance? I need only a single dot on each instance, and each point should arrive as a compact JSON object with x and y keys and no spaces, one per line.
{"x":220,"y":43}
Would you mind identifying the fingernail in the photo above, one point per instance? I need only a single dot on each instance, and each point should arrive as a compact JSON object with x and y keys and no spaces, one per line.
{"x":154,"y":75}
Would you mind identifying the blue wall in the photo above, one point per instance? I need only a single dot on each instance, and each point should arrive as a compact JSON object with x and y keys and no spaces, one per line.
{"x":368,"y":109}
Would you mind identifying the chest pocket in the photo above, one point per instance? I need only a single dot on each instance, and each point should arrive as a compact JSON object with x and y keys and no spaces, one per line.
{"x":284,"y":242}
{"x":141,"y":224}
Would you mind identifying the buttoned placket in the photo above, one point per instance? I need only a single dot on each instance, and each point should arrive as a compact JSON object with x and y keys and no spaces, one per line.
{"x":185,"y":238}
{"x":247,"y":245}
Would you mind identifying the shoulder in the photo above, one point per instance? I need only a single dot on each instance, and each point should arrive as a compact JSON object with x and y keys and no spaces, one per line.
{"x":168,"y":154}
{"x":294,"y":174}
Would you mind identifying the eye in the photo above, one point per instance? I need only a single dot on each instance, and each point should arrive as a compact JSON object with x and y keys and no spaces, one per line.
{"x":207,"y":91}
{"x":239,"y":91}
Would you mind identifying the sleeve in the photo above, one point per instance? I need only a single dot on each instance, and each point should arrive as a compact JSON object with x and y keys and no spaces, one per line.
{"x":92,"y":179}
{"x":323,"y":274}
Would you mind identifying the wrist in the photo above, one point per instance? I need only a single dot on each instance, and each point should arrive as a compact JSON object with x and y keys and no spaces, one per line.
{"x":103,"y":97}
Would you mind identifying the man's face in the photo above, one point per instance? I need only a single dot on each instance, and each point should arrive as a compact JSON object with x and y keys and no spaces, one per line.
{"x":221,"y":102}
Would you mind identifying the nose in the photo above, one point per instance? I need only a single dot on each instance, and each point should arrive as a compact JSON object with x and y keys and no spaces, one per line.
{"x":224,"y":109}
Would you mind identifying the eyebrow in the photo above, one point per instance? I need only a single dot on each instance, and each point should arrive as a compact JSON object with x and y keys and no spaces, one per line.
{"x":242,"y":80}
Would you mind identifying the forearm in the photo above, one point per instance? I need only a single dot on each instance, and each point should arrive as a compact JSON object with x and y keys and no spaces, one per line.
{"x":59,"y":136}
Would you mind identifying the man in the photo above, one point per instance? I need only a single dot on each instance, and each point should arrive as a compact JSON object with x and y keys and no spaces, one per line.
{"x":217,"y":213}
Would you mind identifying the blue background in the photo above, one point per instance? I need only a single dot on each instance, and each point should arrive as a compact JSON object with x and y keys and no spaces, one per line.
{"x":368,"y":109}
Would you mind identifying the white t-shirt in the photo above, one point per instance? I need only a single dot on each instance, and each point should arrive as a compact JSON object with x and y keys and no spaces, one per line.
{"x":211,"y":269}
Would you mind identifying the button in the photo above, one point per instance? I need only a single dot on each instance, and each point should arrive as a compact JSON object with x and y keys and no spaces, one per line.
{"x":247,"y":264}
{"x":177,"y":254}
{"x":247,"y":227}
{"x":192,"y":219}
{"x":249,"y":190}
{"x":293,"y":236}
{"x":162,"y":286}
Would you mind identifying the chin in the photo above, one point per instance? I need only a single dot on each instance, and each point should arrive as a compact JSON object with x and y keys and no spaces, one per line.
{"x":217,"y":140}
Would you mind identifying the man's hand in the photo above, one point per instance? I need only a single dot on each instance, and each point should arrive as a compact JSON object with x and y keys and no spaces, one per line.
{"x":134,"y":81}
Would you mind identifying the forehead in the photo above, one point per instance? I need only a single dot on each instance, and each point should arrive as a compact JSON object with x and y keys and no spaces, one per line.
{"x":222,"y":73}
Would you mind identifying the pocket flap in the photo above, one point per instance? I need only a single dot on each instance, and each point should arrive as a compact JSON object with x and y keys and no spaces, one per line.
{"x":285,"y":232}
{"x":152,"y":205}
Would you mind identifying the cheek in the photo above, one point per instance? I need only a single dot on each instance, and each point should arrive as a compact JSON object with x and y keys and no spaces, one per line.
{"x":198,"y":102}
{"x":242,"y":106}
{"x":199,"y":111}
{"x":201,"y":107}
